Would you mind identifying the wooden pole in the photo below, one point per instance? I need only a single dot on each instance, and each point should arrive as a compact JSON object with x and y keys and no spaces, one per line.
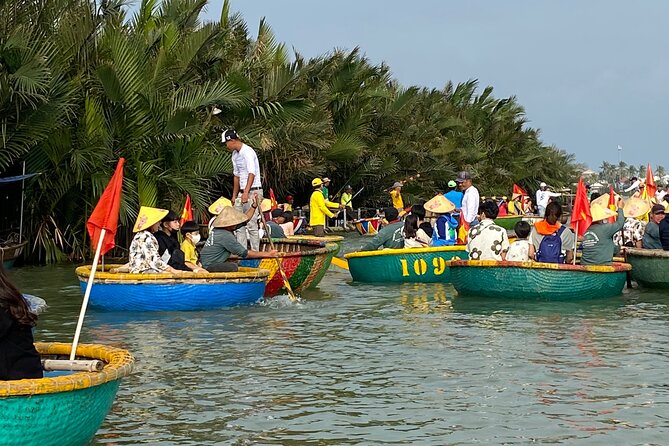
{"x":575,"y":243}
{"x":87,"y":295}
{"x":286,"y":284}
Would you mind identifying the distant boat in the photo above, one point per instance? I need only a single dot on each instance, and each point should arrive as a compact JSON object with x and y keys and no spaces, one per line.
{"x":10,"y":252}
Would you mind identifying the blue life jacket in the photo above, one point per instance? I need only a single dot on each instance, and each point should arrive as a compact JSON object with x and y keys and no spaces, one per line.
{"x":550,"y":248}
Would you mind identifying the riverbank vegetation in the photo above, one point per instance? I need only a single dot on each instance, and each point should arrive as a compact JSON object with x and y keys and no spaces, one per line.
{"x":83,"y":83}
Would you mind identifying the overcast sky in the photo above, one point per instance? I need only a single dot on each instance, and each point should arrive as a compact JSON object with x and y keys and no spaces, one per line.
{"x":591,"y":74}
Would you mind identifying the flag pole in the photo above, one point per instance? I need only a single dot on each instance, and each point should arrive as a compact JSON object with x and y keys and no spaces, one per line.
{"x":575,"y":243}
{"x":87,"y":294}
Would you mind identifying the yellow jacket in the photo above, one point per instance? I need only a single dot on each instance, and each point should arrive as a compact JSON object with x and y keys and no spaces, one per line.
{"x":318,"y":208}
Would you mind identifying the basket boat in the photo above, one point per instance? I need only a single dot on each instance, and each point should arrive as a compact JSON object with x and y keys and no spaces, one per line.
{"x":9,"y":253}
{"x":173,"y":292}
{"x":650,"y":267}
{"x":368,"y":226}
{"x":63,"y":410}
{"x":509,"y":221}
{"x":304,"y":260}
{"x":312,"y":238}
{"x":424,"y":265}
{"x":537,"y":280}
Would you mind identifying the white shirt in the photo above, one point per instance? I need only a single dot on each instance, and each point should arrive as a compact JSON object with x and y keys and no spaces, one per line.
{"x":634,"y":185}
{"x":543,"y":196}
{"x":660,"y":195}
{"x":245,"y":162}
{"x":519,"y":251}
{"x":470,"y":204}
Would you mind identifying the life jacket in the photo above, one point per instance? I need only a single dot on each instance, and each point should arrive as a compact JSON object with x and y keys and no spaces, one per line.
{"x":550,"y":248}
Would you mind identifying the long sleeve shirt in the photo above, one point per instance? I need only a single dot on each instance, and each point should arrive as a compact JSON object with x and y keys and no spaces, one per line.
{"x":543,"y":196}
{"x":470,"y":204}
{"x":598,"y":246}
{"x":318,"y":208}
{"x":390,"y":236}
{"x":144,"y":257}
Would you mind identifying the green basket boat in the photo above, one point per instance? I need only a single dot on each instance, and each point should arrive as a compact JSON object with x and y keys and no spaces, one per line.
{"x":537,"y":280}
{"x":327,"y":239}
{"x":63,"y":410}
{"x":425,"y":265}
{"x":650,"y":267}
{"x":509,"y":221}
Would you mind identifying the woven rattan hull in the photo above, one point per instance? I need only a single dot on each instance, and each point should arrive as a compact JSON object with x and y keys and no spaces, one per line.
{"x":534,"y":280}
{"x":650,"y":267}
{"x":305,"y":262}
{"x":9,"y":254}
{"x":425,"y":265}
{"x":166,"y":292}
{"x":65,"y":410}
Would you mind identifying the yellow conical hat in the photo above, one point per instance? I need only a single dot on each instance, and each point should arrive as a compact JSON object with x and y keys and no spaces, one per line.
{"x":636,"y":207}
{"x":147,"y":217}
{"x":439,"y":205}
{"x":603,"y":200}
{"x":218,"y":205}
{"x":229,"y":217}
{"x":265,"y":205}
{"x":600,"y":212}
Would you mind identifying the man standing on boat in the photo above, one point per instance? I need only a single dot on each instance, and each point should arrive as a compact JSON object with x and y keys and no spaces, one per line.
{"x":246,"y":171}
{"x":543,"y":195}
{"x":470,"y":199}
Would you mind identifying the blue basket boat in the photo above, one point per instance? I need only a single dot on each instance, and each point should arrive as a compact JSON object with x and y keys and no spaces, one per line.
{"x":63,"y":410}
{"x":173,"y":292}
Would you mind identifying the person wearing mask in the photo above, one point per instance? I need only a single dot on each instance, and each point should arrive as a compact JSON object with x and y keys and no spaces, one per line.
{"x":191,"y":237}
{"x":391,"y":235}
{"x":18,"y":357}
{"x":246,"y":180}
{"x":651,"y":237}
{"x":470,"y":199}
{"x":168,"y":243}
{"x":543,"y":197}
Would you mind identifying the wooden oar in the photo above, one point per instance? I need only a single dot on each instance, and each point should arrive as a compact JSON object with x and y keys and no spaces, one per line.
{"x":336,"y":261}
{"x":268,"y":233}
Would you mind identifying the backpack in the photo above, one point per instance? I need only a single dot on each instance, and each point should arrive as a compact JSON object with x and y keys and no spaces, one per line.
{"x":550,"y":248}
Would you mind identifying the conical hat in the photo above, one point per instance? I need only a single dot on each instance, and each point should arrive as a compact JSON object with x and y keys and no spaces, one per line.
{"x":147,"y":217}
{"x":439,"y":205}
{"x":266,"y":205}
{"x":218,"y":205}
{"x":600,"y":212}
{"x":636,"y":207}
{"x":603,"y":200}
{"x":229,"y":217}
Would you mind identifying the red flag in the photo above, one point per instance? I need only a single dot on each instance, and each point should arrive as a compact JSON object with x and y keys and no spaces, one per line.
{"x":272,"y":199}
{"x":519,"y":190}
{"x":612,"y":203}
{"x":187,"y":213}
{"x":580,"y":214}
{"x":651,"y":188}
{"x":463,"y":230}
{"x":105,"y":214}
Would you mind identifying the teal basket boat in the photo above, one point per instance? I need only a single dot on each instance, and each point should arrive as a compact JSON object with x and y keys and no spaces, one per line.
{"x":537,"y":280}
{"x":424,"y":265}
{"x":650,"y":267}
{"x":509,"y":221}
{"x":64,"y":410}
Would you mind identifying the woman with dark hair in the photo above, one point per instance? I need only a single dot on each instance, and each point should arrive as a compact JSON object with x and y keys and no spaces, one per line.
{"x":18,"y":357}
{"x":552,"y":242}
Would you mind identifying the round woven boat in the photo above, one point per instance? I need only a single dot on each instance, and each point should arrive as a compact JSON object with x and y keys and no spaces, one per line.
{"x":173,"y":292}
{"x":425,"y":265}
{"x":650,"y":267}
{"x":63,"y":410}
{"x":509,"y":221}
{"x":304,"y":261}
{"x":312,"y":238}
{"x":537,"y":280}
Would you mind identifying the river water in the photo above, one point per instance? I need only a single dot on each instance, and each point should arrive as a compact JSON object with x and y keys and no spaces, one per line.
{"x":380,"y":365}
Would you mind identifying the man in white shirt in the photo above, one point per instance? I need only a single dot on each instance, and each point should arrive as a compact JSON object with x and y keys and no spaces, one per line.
{"x":660,"y":194}
{"x":543,"y":195}
{"x":470,"y":199}
{"x":246,"y":171}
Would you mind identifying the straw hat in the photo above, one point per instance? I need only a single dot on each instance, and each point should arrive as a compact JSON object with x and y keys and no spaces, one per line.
{"x":218,"y":205}
{"x":229,"y":217}
{"x":600,"y":212}
{"x":266,"y":205}
{"x":439,"y":205}
{"x":636,"y":207}
{"x":148,"y":217}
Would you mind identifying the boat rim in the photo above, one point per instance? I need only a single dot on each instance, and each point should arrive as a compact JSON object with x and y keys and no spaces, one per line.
{"x":640,"y":252}
{"x":382,"y":252}
{"x":119,"y":365}
{"x":616,"y":267}
{"x":244,"y":274}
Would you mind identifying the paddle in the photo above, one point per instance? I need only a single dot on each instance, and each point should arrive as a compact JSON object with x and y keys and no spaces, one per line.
{"x":336,"y":261}
{"x":286,"y":284}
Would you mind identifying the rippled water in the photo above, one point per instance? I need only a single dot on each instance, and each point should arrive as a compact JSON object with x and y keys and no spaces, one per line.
{"x":361,"y":364}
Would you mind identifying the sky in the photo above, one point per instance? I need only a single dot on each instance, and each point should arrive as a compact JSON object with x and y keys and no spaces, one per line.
{"x":591,"y":75}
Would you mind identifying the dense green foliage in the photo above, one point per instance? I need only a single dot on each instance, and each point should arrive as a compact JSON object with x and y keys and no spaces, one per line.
{"x":82,"y":84}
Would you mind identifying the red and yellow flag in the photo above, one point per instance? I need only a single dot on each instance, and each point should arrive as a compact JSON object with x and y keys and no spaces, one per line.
{"x":612,"y":203}
{"x":187,"y":213}
{"x":272,"y":199}
{"x":650,"y":188}
{"x":463,"y":230}
{"x":517,"y":190}
{"x":581,"y":218}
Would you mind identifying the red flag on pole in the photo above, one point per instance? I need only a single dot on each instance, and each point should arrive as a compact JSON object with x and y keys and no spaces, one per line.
{"x":105,"y":214}
{"x":187,"y":213}
{"x":580,"y":215}
{"x":463,"y":230}
{"x":651,"y":188}
{"x":612,"y":203}
{"x":517,"y":190}
{"x":272,"y":199}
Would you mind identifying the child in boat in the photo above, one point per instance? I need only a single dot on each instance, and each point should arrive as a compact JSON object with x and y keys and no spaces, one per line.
{"x":20,"y":359}
{"x":519,"y":251}
{"x":143,"y":251}
{"x":191,"y":237}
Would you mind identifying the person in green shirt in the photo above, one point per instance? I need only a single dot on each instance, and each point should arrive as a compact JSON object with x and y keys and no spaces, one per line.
{"x":390,"y":236}
{"x":651,"y":237}
{"x":326,"y":185}
{"x":598,"y":246}
{"x":222,"y":241}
